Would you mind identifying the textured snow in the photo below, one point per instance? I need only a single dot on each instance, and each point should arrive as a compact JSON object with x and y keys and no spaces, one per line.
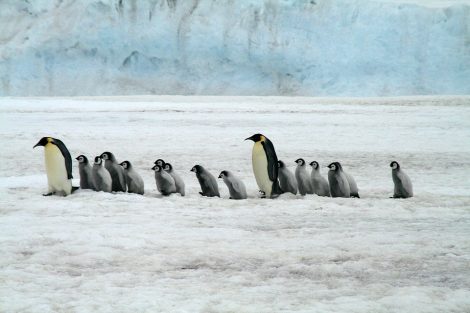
{"x":99,"y":252}
{"x":226,"y":47}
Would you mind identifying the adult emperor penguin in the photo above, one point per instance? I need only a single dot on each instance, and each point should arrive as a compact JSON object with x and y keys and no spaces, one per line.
{"x":264,"y":160}
{"x":303,"y":178}
{"x":179,"y":183}
{"x":116,"y":171}
{"x":339,"y":185}
{"x":207,"y":181}
{"x":165,"y":183}
{"x":58,"y":166}
{"x":319,"y":183}
{"x":84,"y":168}
{"x":135,"y":183}
{"x":403,"y":187}
{"x":286,"y":178}
{"x":235,"y":186}
{"x":101,"y":178}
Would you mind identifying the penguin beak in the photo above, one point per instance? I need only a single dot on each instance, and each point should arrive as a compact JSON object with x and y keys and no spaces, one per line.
{"x":76,"y":158}
{"x":249,"y":138}
{"x":220,"y":175}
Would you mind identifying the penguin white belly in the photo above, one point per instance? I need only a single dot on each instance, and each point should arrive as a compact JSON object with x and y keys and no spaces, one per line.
{"x":260,"y":169}
{"x":56,"y":170}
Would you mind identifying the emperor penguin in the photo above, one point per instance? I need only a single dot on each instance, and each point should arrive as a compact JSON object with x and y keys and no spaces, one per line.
{"x":303,"y":179}
{"x":135,"y":183}
{"x":403,"y":187}
{"x":339,"y":185}
{"x":101,"y":178}
{"x":84,"y":168}
{"x":179,"y":183}
{"x":207,"y":181}
{"x":286,"y":178}
{"x":165,"y":183}
{"x":264,"y":160}
{"x":319,"y":183}
{"x":116,"y":171}
{"x":58,"y":166}
{"x":352,"y":185}
{"x":235,"y":186}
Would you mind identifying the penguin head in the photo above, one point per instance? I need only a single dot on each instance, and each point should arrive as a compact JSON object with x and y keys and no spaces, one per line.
{"x":280,"y":164}
{"x":82,"y":159}
{"x":168,"y":167}
{"x":335,"y":166}
{"x":300,"y":162}
{"x":157,"y":168}
{"x":197,"y":169}
{"x":256,"y":138}
{"x":159,"y":162}
{"x":394,"y":165}
{"x":223,"y":174}
{"x":108,"y":156}
{"x":314,"y":164}
{"x":44,"y":141}
{"x":126,"y":165}
{"x":98,"y":160}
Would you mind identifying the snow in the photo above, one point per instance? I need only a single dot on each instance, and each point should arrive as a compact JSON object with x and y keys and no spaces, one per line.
{"x":99,"y":252}
{"x":250,"y":47}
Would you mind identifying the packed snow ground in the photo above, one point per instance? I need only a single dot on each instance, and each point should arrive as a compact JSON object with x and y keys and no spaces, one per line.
{"x":99,"y":252}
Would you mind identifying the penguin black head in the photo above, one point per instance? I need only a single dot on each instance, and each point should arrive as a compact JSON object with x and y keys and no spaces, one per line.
{"x":157,"y":168}
{"x":168,"y":167}
{"x":314,"y":164}
{"x":108,"y":156}
{"x":44,"y":141}
{"x":394,"y":165}
{"x":223,"y":174}
{"x":335,"y":166}
{"x":256,"y":138}
{"x":126,"y":164}
{"x":197,"y":169}
{"x":159,"y":162}
{"x":98,"y":160}
{"x":300,"y":162}
{"x":280,"y":164}
{"x":82,"y":159}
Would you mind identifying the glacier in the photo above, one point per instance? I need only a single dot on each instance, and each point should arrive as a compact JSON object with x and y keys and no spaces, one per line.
{"x":226,"y":47}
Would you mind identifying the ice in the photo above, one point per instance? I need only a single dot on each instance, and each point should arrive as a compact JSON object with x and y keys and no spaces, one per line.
{"x":98,"y":252}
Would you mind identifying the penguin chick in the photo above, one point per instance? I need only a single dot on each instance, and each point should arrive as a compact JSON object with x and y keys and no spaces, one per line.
{"x":207,"y":181}
{"x":339,"y":185}
{"x":116,"y":171}
{"x":303,"y":179}
{"x":179,"y":183}
{"x":287,"y":180}
{"x":84,"y":168}
{"x":101,"y":178}
{"x":235,"y":186}
{"x":135,"y":183}
{"x":58,"y":166}
{"x":352,"y":185}
{"x":403,"y":187}
{"x":160,"y":163}
{"x":165,"y":183}
{"x":319,"y":183}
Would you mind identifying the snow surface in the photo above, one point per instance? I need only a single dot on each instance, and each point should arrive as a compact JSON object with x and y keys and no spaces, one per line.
{"x":227,"y":47}
{"x":100,"y":252}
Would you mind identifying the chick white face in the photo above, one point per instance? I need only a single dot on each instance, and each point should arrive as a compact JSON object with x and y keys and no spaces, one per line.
{"x":98,"y":160}
{"x":105,"y":156}
{"x":167,"y":167}
{"x":314,"y":164}
{"x":332,"y":167}
{"x":157,"y":168}
{"x":300,"y":162}
{"x":159,"y":162}
{"x":80,"y":159}
{"x":124,"y":165}
{"x":394,"y":165}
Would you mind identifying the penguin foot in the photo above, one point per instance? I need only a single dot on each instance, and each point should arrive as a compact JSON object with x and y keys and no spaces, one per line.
{"x":201,"y":193}
{"x":48,"y":194}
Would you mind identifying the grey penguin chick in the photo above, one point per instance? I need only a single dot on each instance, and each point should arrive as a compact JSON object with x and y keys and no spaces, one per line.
{"x":116,"y":171}
{"x":319,"y":183}
{"x":135,"y":183}
{"x":339,"y":185}
{"x":235,"y":186}
{"x":101,"y":178}
{"x":165,"y":183}
{"x":84,"y":168}
{"x":403,"y":187}
{"x":303,"y":178}
{"x":354,"y":191}
{"x":287,"y":180}
{"x":179,"y":183}
{"x":207,"y":181}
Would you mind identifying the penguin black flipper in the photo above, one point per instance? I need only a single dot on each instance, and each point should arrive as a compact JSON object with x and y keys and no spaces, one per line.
{"x":272,"y":159}
{"x":68,"y":158}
